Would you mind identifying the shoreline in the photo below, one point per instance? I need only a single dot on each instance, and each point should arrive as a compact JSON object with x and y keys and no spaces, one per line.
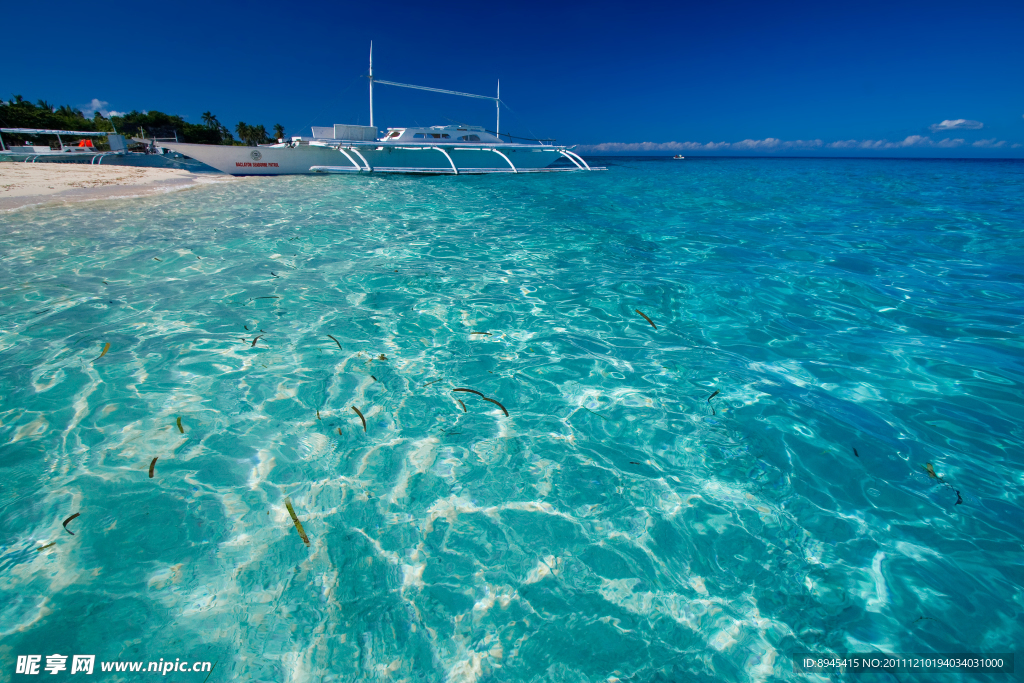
{"x":24,"y":186}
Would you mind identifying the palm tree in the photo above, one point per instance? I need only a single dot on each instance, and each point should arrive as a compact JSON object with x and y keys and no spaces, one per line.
{"x":66,"y":110}
{"x":278,"y":131}
{"x":244,"y":131}
{"x":210,"y":120}
{"x":43,"y":104}
{"x":259,"y":134}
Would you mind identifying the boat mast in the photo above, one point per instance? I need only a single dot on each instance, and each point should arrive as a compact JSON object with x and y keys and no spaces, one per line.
{"x":497,"y":100}
{"x":371,"y":82}
{"x":497,"y":105}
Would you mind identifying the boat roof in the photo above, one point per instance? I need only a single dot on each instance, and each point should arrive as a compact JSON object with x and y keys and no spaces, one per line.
{"x":458,"y":127}
{"x":48,"y":131}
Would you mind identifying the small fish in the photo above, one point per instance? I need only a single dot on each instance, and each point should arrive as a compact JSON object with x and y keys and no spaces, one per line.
{"x":959,"y":500}
{"x":104,"y":282}
{"x":374,"y":378}
{"x":65,"y":524}
{"x":156,"y":259}
{"x":382,"y":357}
{"x":214,"y":664}
{"x":255,"y":340}
{"x":180,"y":428}
{"x":151,"y":466}
{"x":709,"y":402}
{"x":246,"y":327}
{"x":487,"y":333}
{"x":631,"y":462}
{"x":646,"y":318}
{"x":274,"y":274}
{"x":198,"y":259}
{"x":931,"y":472}
{"x":920,"y":618}
{"x":335,"y":341}
{"x":855,"y":453}
{"x":434,"y":382}
{"x":463,"y":406}
{"x":474,"y":391}
{"x":298,"y":524}
{"x":497,"y":404}
{"x":266,"y":297}
{"x":105,"y":349}
{"x":360,"y":417}
{"x":46,"y":546}
{"x":339,"y":432}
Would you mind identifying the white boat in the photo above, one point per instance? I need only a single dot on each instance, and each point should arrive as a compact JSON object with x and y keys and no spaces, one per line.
{"x":32,"y":152}
{"x":344,"y":148}
{"x":87,"y":153}
{"x":679,"y":156}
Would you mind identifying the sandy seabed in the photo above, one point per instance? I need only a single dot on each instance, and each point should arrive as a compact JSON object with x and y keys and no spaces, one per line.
{"x":23,"y":185}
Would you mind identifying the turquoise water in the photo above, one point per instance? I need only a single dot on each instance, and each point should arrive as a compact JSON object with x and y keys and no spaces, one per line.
{"x":617,"y":524}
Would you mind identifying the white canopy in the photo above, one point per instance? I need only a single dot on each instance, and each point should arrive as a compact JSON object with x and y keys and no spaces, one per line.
{"x":47,"y":131}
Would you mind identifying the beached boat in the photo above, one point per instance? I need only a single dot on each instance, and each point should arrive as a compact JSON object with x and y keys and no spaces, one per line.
{"x":343,"y":148}
{"x":155,"y":156}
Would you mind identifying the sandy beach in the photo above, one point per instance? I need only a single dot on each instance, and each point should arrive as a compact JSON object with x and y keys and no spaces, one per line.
{"x":23,"y":185}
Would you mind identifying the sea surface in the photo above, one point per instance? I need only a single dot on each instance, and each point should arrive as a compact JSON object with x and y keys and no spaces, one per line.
{"x":815,"y":444}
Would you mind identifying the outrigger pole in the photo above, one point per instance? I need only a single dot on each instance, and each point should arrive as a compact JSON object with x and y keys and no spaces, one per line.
{"x":497,"y":100}
{"x":371,"y":82}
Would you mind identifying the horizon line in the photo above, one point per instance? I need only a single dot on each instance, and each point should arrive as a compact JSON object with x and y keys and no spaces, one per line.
{"x":796,"y":156}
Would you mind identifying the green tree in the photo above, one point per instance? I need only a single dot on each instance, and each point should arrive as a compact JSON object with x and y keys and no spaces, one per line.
{"x":67,"y":111}
{"x":278,"y":131}
{"x":244,"y":131}
{"x":251,"y":135}
{"x":210,"y":120}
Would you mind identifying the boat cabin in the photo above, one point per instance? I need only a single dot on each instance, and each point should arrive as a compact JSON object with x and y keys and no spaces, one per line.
{"x":440,"y":135}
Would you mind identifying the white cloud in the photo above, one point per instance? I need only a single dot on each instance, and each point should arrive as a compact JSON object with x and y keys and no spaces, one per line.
{"x":100,"y":106}
{"x":956,"y":124}
{"x":654,"y":146}
{"x":990,"y":143}
{"x":775,"y":145}
{"x":768,"y":145}
{"x":1016,"y":145}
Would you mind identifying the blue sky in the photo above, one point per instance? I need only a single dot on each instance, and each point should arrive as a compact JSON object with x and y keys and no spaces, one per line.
{"x":725,"y":77}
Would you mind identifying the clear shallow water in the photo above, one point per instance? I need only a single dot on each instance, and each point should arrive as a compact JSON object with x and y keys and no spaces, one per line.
{"x":617,"y":524}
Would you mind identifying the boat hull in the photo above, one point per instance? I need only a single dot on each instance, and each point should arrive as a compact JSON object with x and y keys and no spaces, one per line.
{"x":236,"y":160}
{"x":113,"y":159}
{"x":302,"y":159}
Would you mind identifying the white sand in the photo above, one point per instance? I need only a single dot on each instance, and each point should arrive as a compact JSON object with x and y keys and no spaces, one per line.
{"x":23,"y":185}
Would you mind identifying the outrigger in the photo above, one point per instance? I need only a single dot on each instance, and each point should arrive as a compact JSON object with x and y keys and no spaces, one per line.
{"x":454,"y":150}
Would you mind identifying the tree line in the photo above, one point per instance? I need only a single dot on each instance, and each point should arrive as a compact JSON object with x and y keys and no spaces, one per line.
{"x":22,"y":113}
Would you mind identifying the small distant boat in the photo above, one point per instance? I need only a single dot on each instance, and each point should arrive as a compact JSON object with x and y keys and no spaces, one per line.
{"x":679,"y":156}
